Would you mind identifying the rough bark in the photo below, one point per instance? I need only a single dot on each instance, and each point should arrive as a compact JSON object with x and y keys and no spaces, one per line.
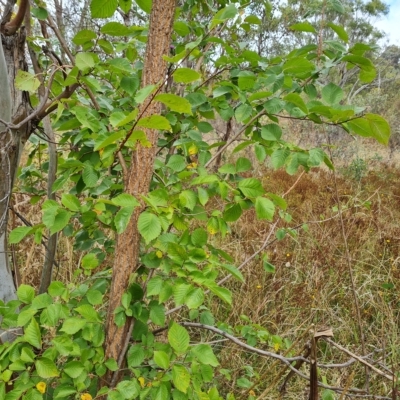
{"x":12,"y":58}
{"x":138,"y":179}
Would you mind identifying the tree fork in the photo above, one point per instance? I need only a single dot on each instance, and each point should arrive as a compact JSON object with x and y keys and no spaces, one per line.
{"x":137,"y":183}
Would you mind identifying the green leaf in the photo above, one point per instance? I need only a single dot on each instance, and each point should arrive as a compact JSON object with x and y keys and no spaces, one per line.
{"x":149,"y":226}
{"x":129,"y":389}
{"x":185,"y":75}
{"x":178,"y":338}
{"x":181,"y":28}
{"x":265,"y":208}
{"x":371,"y":125}
{"x":17,"y":234}
{"x":175,"y":103}
{"x":177,"y":163}
{"x":232,"y":213}
{"x":71,"y":202}
{"x":122,"y":218}
{"x":298,"y":67}
{"x":115,"y":29}
{"x":89,"y":175}
{"x":251,"y":187}
{"x":84,"y":61}
{"x":111,"y":364}
{"x":40,"y":13}
{"x":103,"y":8}
{"x":32,"y":334}
{"x":125,"y":200}
{"x":233,"y":271}
{"x":194,"y":298}
{"x":337,"y":6}
{"x":26,"y":81}
{"x":199,"y":237}
{"x":88,"y":312}
{"x":145,"y":5}
{"x":180,"y":377}
{"x":188,"y":199}
{"x":274,"y":106}
{"x":339,"y":30}
{"x":243,"y":112}
{"x":332,"y":94}
{"x":223,"y":293}
{"x":74,"y":369}
{"x":205,"y":355}
{"x":46,"y":368}
{"x":143,"y":93}
{"x":295,"y":99}
{"x":135,"y":355}
{"x":90,"y":261}
{"x":303,"y":27}
{"x":161,"y":358}
{"x":278,"y":157}
{"x":73,"y":325}
{"x":63,"y":391}
{"x":84,"y":36}
{"x":154,"y":122}
{"x":157,"y":314}
{"x":271,"y":132}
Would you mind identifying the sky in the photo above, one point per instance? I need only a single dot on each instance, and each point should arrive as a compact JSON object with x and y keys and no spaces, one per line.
{"x":391,"y":23}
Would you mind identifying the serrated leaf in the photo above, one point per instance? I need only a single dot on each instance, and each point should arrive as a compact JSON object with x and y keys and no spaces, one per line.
{"x":130,"y":389}
{"x":84,"y":61}
{"x":89,"y":176}
{"x":340,"y":31}
{"x":204,"y":353}
{"x":332,"y":94}
{"x":265,"y":208}
{"x":271,"y":132}
{"x":26,"y":81}
{"x":71,"y":202}
{"x":223,"y":293}
{"x":161,"y":358}
{"x":175,"y":103}
{"x":188,"y":199}
{"x":157,"y":314}
{"x":84,"y":36}
{"x":90,"y":261}
{"x":135,"y":355}
{"x":32,"y":334}
{"x":149,"y":226}
{"x":180,"y":377}
{"x":74,"y":369}
{"x":143,"y":93}
{"x":17,"y":234}
{"x":88,"y":312}
{"x":232,"y":213}
{"x":103,"y":8}
{"x":26,"y":293}
{"x":178,"y":338}
{"x":303,"y":27}
{"x":155,"y":122}
{"x":371,"y":125}
{"x":122,"y":218}
{"x":115,"y":29}
{"x":194,"y":298}
{"x":233,"y":271}
{"x":73,"y":325}
{"x":251,"y":187}
{"x":243,"y":112}
{"x":46,"y":368}
{"x":177,"y":163}
{"x":145,"y":5}
{"x":185,"y":75}
{"x":278,"y":157}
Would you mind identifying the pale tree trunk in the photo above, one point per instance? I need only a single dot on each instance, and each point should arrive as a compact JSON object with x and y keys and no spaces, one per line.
{"x":137,"y":182}
{"x":14,"y":107}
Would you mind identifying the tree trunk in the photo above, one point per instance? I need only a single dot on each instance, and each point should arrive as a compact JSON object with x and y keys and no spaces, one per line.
{"x":14,"y":106}
{"x":138,"y":180}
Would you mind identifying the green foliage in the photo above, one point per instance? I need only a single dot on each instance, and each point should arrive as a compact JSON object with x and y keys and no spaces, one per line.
{"x":188,"y":206}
